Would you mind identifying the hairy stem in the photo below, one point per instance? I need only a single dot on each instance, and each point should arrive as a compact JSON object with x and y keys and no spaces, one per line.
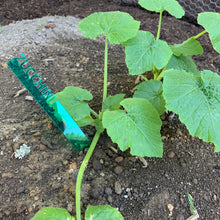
{"x":81,"y":172}
{"x":200,"y":34}
{"x":159,"y":25}
{"x":105,"y":70}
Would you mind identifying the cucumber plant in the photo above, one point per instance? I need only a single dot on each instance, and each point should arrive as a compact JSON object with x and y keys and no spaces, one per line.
{"x":177,"y":84}
{"x":117,"y":27}
{"x":135,"y":122}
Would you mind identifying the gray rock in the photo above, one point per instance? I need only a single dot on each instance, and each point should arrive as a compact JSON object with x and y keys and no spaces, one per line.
{"x":118,"y":189}
{"x":118,"y":169}
{"x":110,"y":200}
{"x":108,"y":191}
{"x":20,"y":190}
{"x":96,"y":165}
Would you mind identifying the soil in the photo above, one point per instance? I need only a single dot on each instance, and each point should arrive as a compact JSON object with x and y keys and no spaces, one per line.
{"x":46,"y":176}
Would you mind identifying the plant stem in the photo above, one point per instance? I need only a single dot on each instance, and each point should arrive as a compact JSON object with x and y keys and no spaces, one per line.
{"x":160,"y":75}
{"x":159,"y":25}
{"x":105,"y":70}
{"x":200,"y":34}
{"x":94,"y":113}
{"x":81,"y":172}
{"x":145,"y":78}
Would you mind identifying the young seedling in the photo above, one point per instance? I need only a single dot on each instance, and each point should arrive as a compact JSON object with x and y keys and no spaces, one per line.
{"x":2,"y":30}
{"x":193,"y":211}
{"x":39,"y":25}
{"x":117,"y":27}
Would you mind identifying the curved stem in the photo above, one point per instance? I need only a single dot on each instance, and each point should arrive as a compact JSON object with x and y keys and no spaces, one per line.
{"x":94,"y":113}
{"x":81,"y":172}
{"x":160,"y":75}
{"x":105,"y":70}
{"x":200,"y":34}
{"x":159,"y":25}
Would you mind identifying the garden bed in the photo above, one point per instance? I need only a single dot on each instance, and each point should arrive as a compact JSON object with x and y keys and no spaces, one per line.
{"x":46,"y":176}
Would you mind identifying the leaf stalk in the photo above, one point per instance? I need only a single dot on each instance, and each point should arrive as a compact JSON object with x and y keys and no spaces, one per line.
{"x":105,"y":70}
{"x":159,"y":25}
{"x":160,"y":75}
{"x":199,"y":35}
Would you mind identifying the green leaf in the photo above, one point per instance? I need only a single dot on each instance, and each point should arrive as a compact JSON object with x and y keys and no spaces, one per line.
{"x":172,"y":6}
{"x":51,"y":213}
{"x":188,"y":47}
{"x":191,"y":204}
{"x":196,"y":99}
{"x":211,"y":22}
{"x":182,"y":63}
{"x":72,"y":100}
{"x":104,"y":212}
{"x":138,"y":129}
{"x":117,"y":26}
{"x":152,"y":91}
{"x":112,"y":102}
{"x":143,"y":52}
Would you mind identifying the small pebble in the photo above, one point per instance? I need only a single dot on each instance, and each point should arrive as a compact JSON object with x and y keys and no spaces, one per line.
{"x":69,"y":207}
{"x":119,"y":159}
{"x":118,"y":169}
{"x":65,"y":162}
{"x":170,"y":154}
{"x":110,"y":200}
{"x":108,"y":191}
{"x":20,"y":190}
{"x":36,"y":198}
{"x":96,"y":165}
{"x":7,"y":175}
{"x":37,"y":134}
{"x":170,"y":207}
{"x":29,"y":98}
{"x":195,"y":181}
{"x":118,"y":189}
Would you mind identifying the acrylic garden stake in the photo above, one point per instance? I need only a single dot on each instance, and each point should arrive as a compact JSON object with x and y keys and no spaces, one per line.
{"x":43,"y":95}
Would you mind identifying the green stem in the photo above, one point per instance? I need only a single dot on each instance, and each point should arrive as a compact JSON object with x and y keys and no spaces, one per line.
{"x":94,"y":113}
{"x":159,"y":25}
{"x":200,"y":34}
{"x":155,"y":72}
{"x":145,"y":78}
{"x":105,"y":70}
{"x":160,"y":75}
{"x":81,"y":172}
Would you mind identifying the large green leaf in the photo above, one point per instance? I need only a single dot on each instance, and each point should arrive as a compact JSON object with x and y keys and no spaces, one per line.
{"x":51,"y":213}
{"x":112,"y":102}
{"x":211,"y":22}
{"x":117,"y":26}
{"x":196,"y":99}
{"x":172,"y":6}
{"x":137,"y":128}
{"x":182,"y":63}
{"x":104,"y":212}
{"x":72,"y":98}
{"x":143,"y":52}
{"x":188,"y":47}
{"x":152,"y":91}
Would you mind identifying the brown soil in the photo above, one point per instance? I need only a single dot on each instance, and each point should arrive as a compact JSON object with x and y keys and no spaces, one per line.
{"x":46,"y":176}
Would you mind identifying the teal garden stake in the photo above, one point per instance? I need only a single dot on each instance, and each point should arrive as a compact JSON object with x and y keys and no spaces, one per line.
{"x":43,"y":95}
